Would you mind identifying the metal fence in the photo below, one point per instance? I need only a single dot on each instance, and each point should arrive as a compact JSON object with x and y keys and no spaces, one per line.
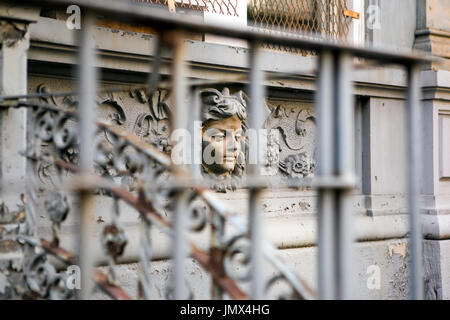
{"x":158,"y":176}
{"x":314,"y":18}
{"x":226,"y":7}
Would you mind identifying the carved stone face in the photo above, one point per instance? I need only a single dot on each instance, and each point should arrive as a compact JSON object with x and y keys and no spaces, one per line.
{"x":222,"y":145}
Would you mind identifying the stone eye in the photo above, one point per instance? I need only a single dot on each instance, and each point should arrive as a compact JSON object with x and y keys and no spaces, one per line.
{"x":218,"y":137}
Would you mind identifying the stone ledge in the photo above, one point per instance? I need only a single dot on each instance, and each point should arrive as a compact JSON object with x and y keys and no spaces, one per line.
{"x":132,"y":52}
{"x":22,"y":13}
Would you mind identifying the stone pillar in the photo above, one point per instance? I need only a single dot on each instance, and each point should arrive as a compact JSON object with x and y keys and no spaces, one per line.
{"x":433,"y":35}
{"x":433,"y":30}
{"x":383,"y":161}
{"x":436,"y":182}
{"x":14,"y":39}
{"x":14,"y":43}
{"x":390,"y":24}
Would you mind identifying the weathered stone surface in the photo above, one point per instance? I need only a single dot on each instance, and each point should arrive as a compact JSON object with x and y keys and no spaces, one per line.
{"x":389,"y":258}
{"x":433,"y":31}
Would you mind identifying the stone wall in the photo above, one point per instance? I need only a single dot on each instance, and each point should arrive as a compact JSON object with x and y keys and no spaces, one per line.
{"x":381,"y":220}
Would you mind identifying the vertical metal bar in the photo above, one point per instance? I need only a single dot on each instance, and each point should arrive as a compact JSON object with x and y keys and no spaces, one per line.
{"x":145,"y":256}
{"x":414,"y":180}
{"x":180,"y":119}
{"x":153,"y":78}
{"x":256,"y":121}
{"x":181,"y":115}
{"x":180,"y":250}
{"x":87,"y":87}
{"x":344,"y":109}
{"x":256,"y":238}
{"x":196,"y":133}
{"x":216,"y":253}
{"x":325,"y":165}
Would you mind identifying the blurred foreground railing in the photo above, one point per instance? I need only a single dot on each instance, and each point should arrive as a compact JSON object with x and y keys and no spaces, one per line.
{"x":76,"y":144}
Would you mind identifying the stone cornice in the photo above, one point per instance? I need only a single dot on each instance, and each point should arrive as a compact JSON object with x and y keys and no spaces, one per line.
{"x":432,"y":31}
{"x":21,"y":13}
{"x":130,"y":53}
{"x":436,"y":85}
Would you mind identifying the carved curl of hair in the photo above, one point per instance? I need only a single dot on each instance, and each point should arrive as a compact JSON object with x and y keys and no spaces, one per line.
{"x":221,"y":105}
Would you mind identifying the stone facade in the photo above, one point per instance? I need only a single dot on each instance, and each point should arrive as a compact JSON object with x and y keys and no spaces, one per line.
{"x":381,"y":222}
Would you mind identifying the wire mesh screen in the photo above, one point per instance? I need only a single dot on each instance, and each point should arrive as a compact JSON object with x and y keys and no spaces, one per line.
{"x":315,"y":18}
{"x":225,"y":7}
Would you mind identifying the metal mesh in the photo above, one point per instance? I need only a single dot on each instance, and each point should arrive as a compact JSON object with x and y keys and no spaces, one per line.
{"x":226,"y":7}
{"x":316,"y":18}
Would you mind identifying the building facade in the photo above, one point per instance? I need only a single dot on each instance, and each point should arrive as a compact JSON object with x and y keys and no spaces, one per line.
{"x":38,"y":55}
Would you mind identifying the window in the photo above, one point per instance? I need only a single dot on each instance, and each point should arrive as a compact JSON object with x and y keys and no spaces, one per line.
{"x":316,"y":18}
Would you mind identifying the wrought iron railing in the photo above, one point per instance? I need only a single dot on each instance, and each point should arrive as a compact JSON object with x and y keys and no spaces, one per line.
{"x":95,"y":152}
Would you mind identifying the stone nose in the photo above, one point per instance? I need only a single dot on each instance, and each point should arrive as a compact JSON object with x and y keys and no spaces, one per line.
{"x":231,"y":144}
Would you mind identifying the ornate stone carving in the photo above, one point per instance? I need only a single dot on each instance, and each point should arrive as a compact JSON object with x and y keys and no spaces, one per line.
{"x":296,"y":144}
{"x":224,"y":123}
{"x":297,"y":165}
{"x":153,"y":127}
{"x":11,"y":32}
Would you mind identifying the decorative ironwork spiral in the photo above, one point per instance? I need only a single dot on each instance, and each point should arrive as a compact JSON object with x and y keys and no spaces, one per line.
{"x":237,"y":258}
{"x":39,"y":274}
{"x":113,"y":240}
{"x":57,"y":207}
{"x":198,"y":214}
{"x":64,"y":136}
{"x":279,"y":288}
{"x":58,"y":288}
{"x":44,"y":125}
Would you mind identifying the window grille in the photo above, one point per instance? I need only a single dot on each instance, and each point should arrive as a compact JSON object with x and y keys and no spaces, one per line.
{"x":316,"y":18}
{"x":225,"y":7}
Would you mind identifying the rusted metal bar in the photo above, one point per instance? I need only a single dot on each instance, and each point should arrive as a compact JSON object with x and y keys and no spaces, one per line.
{"x":147,"y":149}
{"x":112,"y":290}
{"x":206,"y":194}
{"x":98,"y":276}
{"x":116,"y":292}
{"x":65,"y":256}
{"x":225,"y":282}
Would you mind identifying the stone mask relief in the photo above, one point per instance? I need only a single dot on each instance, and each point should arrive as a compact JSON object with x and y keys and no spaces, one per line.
{"x":224,"y":124}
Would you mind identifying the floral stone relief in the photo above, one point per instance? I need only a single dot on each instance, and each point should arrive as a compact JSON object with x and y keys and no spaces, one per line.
{"x":290,"y":127}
